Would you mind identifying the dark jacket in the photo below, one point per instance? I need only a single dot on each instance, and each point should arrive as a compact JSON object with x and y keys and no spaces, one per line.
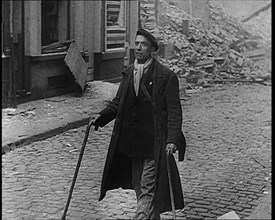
{"x":138,"y":122}
{"x":167,"y":117}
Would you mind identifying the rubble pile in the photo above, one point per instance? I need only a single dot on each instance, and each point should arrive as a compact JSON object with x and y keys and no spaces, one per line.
{"x":222,"y":51}
{"x":261,"y":25}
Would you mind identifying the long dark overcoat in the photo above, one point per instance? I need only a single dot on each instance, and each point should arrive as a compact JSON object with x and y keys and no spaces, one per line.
{"x":167,"y":115}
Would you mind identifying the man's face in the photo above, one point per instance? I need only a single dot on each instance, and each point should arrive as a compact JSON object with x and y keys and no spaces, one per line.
{"x":143,"y":49}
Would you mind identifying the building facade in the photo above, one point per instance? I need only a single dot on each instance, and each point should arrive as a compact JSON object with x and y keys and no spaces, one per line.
{"x":36,"y":36}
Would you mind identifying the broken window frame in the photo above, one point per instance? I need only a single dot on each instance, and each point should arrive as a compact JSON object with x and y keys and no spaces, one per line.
{"x":115,"y":34}
{"x":61,"y":17}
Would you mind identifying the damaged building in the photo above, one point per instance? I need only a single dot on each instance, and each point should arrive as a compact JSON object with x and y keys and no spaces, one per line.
{"x":51,"y":48}
{"x":47,"y":46}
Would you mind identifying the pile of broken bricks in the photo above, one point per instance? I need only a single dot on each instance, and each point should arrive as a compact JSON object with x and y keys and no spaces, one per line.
{"x":222,"y":51}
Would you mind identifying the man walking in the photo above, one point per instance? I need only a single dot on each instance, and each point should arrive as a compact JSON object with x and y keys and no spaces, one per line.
{"x":148,"y":120}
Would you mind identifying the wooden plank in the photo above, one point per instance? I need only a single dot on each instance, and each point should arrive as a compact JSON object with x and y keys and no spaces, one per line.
{"x":77,"y":65}
{"x":117,"y":30}
{"x":254,"y":53}
{"x":113,"y":2}
{"x":116,"y":42}
{"x":116,"y":35}
{"x":113,"y":10}
{"x":256,"y":13}
{"x":205,"y":63}
{"x":116,"y":38}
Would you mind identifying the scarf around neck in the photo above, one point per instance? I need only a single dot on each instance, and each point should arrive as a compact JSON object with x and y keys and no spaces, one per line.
{"x":139,"y":70}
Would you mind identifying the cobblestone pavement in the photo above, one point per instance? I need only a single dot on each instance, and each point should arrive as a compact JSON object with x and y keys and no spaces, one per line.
{"x":227,"y":165}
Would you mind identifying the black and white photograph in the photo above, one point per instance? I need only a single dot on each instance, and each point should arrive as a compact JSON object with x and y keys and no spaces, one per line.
{"x":136,"y":109}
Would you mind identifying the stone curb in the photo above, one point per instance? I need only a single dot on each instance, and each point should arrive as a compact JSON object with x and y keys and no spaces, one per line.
{"x":44,"y":135}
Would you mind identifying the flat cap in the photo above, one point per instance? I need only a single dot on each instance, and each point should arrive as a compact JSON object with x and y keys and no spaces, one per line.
{"x":149,"y":36}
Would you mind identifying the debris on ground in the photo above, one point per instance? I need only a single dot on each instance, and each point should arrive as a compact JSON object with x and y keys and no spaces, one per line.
{"x":14,"y":111}
{"x":230,"y":215}
{"x":225,"y":51}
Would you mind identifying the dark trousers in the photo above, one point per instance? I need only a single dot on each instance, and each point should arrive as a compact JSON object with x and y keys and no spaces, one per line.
{"x":144,"y":185}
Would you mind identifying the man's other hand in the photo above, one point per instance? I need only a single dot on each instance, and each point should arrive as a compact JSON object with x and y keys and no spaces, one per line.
{"x":171,"y":148}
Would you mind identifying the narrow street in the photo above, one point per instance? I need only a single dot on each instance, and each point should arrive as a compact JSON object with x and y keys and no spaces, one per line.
{"x":227,"y":165}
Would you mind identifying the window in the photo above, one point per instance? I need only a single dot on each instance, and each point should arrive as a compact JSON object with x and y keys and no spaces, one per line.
{"x":115,"y":20}
{"x":116,"y":13}
{"x":55,"y":25}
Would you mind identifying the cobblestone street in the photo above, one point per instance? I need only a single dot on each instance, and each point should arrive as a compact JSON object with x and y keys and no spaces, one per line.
{"x":227,"y":165}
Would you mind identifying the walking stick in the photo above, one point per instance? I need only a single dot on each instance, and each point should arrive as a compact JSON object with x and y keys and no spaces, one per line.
{"x":170,"y":185}
{"x":77,"y":168}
